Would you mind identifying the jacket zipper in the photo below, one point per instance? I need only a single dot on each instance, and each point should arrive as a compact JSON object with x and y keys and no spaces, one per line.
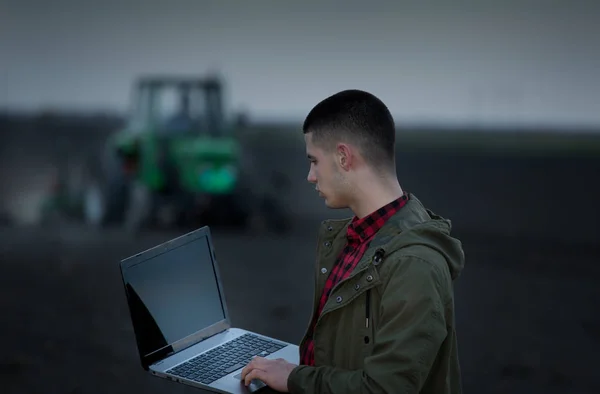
{"x":367,"y":308}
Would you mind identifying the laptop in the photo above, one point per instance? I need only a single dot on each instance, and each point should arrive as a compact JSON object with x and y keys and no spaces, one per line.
{"x":180,"y":319}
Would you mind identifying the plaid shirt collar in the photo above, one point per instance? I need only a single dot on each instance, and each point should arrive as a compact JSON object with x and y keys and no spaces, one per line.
{"x":363,"y":229}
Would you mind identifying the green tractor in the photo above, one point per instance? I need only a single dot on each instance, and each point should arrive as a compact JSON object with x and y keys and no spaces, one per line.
{"x":178,"y":161}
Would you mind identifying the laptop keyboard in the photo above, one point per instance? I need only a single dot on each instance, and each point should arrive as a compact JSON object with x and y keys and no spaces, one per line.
{"x":222,"y":360}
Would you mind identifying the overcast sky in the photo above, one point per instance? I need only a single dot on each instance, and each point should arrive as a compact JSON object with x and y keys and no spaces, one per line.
{"x":437,"y":61}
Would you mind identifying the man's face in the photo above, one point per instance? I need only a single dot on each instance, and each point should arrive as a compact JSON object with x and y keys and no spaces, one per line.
{"x":325,"y":173}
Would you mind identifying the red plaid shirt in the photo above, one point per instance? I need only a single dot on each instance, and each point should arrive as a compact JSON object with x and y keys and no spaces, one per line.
{"x":360,"y":233}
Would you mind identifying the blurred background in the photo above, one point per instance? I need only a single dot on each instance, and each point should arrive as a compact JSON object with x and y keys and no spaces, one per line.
{"x":126,"y":123}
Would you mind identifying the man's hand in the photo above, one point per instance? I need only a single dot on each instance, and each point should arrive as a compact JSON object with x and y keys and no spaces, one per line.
{"x":274,"y":373}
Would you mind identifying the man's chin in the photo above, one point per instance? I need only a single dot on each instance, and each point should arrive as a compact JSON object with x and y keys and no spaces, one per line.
{"x":333,"y":204}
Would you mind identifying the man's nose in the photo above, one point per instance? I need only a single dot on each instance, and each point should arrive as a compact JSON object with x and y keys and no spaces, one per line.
{"x":311,"y":177}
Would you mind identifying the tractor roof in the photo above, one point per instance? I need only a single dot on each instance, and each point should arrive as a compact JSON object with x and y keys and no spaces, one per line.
{"x":171,"y":80}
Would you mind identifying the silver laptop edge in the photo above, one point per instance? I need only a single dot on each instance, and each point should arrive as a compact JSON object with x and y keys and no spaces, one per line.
{"x":160,"y":361}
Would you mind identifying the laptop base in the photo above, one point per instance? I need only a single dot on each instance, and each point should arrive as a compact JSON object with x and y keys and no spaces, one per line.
{"x":229,"y":383}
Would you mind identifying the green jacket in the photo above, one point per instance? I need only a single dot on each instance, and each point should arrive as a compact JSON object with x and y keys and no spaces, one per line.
{"x":389,"y":327}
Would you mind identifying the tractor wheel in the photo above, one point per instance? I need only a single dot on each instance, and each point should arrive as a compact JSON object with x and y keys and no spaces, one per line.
{"x":139,"y":207}
{"x":94,"y":205}
{"x":103,"y":195}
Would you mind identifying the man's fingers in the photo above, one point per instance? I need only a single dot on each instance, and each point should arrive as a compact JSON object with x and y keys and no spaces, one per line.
{"x":255,"y":374}
{"x":257,"y":362}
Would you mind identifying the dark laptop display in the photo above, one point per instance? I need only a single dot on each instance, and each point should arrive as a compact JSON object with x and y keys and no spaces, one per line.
{"x":172,"y":296}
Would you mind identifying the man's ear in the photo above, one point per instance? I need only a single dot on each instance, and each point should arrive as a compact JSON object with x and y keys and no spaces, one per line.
{"x":344,"y":156}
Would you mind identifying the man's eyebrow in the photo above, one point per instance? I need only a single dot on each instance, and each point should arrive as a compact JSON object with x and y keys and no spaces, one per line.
{"x":310,"y":157}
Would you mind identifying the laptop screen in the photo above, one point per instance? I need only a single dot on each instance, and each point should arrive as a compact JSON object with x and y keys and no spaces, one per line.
{"x":173,"y":295}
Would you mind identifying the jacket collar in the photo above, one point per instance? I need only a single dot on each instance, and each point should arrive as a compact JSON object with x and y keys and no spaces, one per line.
{"x":413,"y":213}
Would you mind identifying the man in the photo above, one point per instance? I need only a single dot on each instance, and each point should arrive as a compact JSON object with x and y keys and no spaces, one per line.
{"x":383,"y":316}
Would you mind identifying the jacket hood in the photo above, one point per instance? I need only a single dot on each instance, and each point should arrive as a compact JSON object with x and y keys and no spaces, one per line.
{"x":416,"y":225}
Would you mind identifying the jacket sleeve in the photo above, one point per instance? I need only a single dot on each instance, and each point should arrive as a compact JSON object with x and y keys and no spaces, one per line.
{"x":411,"y":330}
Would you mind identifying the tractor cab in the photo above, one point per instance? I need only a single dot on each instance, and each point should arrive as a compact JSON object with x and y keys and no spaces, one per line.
{"x":176,"y":106}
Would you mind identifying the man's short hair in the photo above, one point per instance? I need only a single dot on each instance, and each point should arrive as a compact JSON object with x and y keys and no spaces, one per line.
{"x":357,"y":117}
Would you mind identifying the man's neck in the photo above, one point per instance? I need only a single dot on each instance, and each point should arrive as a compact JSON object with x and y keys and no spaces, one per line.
{"x":375,"y":193}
